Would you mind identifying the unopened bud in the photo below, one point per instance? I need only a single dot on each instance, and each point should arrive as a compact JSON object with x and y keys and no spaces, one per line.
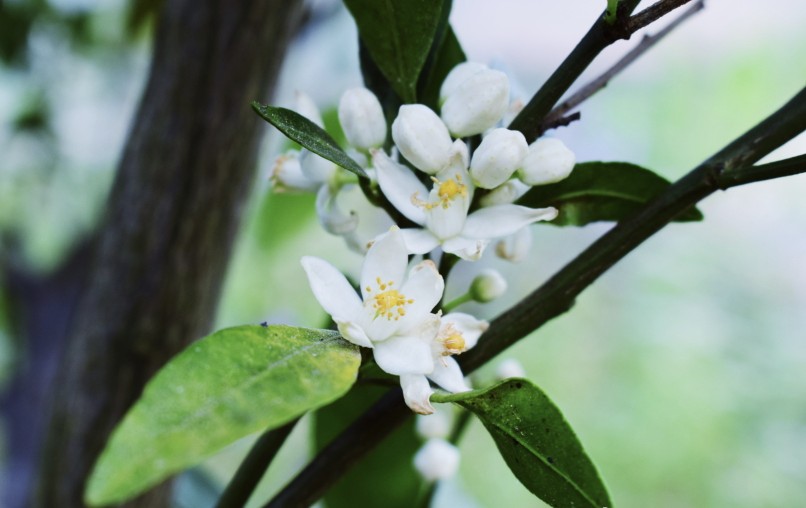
{"x":316,"y":168}
{"x":488,"y":285}
{"x":548,"y":161}
{"x":510,"y":368}
{"x":422,"y":138}
{"x":307,"y":108}
{"x":474,"y":98}
{"x":515,"y":247}
{"x":437,"y":459}
{"x":286,"y":174}
{"x":436,"y":425}
{"x":506,"y":193}
{"x":498,"y":156}
{"x":361,"y":117}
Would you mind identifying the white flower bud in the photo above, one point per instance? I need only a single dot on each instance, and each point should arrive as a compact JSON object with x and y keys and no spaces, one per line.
{"x":436,"y":425}
{"x":497,"y":157}
{"x":316,"y":168}
{"x":286,"y":174}
{"x":437,"y":459}
{"x":361,"y":117}
{"x":422,"y":138}
{"x":474,"y":98}
{"x":510,"y":368}
{"x":506,"y":193}
{"x":307,"y":108}
{"x":488,"y":285}
{"x":548,"y":161}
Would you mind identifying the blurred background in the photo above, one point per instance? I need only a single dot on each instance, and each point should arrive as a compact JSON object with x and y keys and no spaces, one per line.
{"x":682,"y":369}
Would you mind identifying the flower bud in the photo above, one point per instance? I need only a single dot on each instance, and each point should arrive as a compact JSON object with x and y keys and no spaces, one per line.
{"x":515,"y":247}
{"x":487,"y":286}
{"x":548,"y":161}
{"x":361,"y":117}
{"x":316,"y":168}
{"x":474,"y":98}
{"x":422,"y":138}
{"x":436,"y":425}
{"x":307,"y":108}
{"x":497,"y":157}
{"x":510,"y":368}
{"x":437,"y":459}
{"x":506,"y":193}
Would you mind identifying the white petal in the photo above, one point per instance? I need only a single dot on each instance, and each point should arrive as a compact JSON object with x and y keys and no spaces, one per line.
{"x":470,"y":327}
{"x":448,"y":375}
{"x":307,"y":108}
{"x":503,"y":220}
{"x":449,"y":201}
{"x":424,"y":286}
{"x":419,"y":241}
{"x":331,"y":289}
{"x":404,"y":354}
{"x":506,"y":193}
{"x":436,"y":460}
{"x":515,"y":247}
{"x":386,"y":261}
{"x":353,"y":332}
{"x":457,"y":76}
{"x":361,"y":117}
{"x":332,"y":219}
{"x":477,"y":103}
{"x":422,"y":138}
{"x":287,"y":175}
{"x":497,"y":157}
{"x":417,"y":392}
{"x":437,"y":425}
{"x":316,"y":168}
{"x":400,"y":185}
{"x":469,"y":249}
{"x":548,"y":161}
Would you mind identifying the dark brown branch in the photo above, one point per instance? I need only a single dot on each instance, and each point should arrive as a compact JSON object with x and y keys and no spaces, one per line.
{"x":751,"y":174}
{"x":560,"y":121}
{"x":651,"y":14}
{"x":169,"y":225}
{"x":647,"y":42}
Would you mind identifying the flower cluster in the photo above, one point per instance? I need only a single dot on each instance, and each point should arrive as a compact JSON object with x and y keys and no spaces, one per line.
{"x":454,"y":201}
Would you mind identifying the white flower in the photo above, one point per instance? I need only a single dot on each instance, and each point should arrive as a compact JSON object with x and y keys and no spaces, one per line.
{"x":422,"y":138}
{"x":548,"y":161}
{"x":510,"y":368}
{"x":497,"y":157}
{"x":361,"y":117}
{"x":443,"y":211}
{"x":437,"y":459}
{"x":473,"y":98}
{"x":515,"y":247}
{"x":286,"y":174}
{"x":488,"y":285}
{"x":508,"y":192}
{"x":436,"y":425}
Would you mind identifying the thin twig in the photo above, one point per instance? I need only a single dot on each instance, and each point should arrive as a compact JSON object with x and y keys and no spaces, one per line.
{"x":647,"y":42}
{"x":751,"y":174}
{"x":556,"y":295}
{"x":559,"y":121}
{"x":651,"y":14}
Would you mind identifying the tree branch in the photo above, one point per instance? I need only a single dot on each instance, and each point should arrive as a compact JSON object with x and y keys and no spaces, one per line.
{"x":647,"y":42}
{"x":557,"y":295}
{"x":750,"y":174}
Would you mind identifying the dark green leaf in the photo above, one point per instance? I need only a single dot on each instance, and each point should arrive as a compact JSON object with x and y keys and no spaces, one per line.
{"x":307,"y":134}
{"x":536,"y":442}
{"x":226,"y":386}
{"x":448,"y":56}
{"x":398,"y":35}
{"x":601,"y":191}
{"x":385,"y":478}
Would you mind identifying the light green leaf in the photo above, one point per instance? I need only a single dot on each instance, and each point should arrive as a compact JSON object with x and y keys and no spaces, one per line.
{"x":536,"y":442}
{"x":226,"y":386}
{"x":601,"y":191}
{"x":398,"y":35}
{"x":308,"y":135}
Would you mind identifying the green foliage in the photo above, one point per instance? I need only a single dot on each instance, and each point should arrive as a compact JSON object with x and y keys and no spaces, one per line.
{"x":226,"y":386}
{"x":601,"y":191}
{"x":447,"y":55}
{"x":307,"y":134}
{"x":536,"y":442}
{"x":385,"y":478}
{"x":398,"y":34}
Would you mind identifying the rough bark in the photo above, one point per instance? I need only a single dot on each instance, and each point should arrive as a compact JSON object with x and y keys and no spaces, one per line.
{"x":170,"y":222}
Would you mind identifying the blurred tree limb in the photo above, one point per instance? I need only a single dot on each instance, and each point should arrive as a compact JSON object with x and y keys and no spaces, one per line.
{"x":174,"y":210}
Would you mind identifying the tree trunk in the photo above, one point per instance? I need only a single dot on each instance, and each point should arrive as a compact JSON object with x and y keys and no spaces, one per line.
{"x":170,"y":222}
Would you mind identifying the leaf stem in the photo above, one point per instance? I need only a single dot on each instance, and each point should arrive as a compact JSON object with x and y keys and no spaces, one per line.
{"x":467,"y":297}
{"x":254,"y":466}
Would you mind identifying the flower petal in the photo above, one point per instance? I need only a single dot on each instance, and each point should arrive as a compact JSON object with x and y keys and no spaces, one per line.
{"x":386,"y":261}
{"x":332,"y":291}
{"x":469,"y":249}
{"x":515,"y":247}
{"x":404,"y":354}
{"x":352,"y":332}
{"x":400,"y":186}
{"x":470,"y":327}
{"x":503,"y":220}
{"x":424,"y":287}
{"x":419,"y":241}
{"x":448,"y":375}
{"x":417,"y":392}
{"x":332,"y":219}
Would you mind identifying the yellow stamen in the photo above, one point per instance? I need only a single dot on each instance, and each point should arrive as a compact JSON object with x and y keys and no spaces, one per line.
{"x":387,"y":302}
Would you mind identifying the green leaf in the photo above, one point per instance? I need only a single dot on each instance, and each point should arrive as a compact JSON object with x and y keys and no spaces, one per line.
{"x":307,"y":134}
{"x":536,"y":442}
{"x":226,"y":386}
{"x":601,"y":191}
{"x":385,"y":478}
{"x":398,"y":35}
